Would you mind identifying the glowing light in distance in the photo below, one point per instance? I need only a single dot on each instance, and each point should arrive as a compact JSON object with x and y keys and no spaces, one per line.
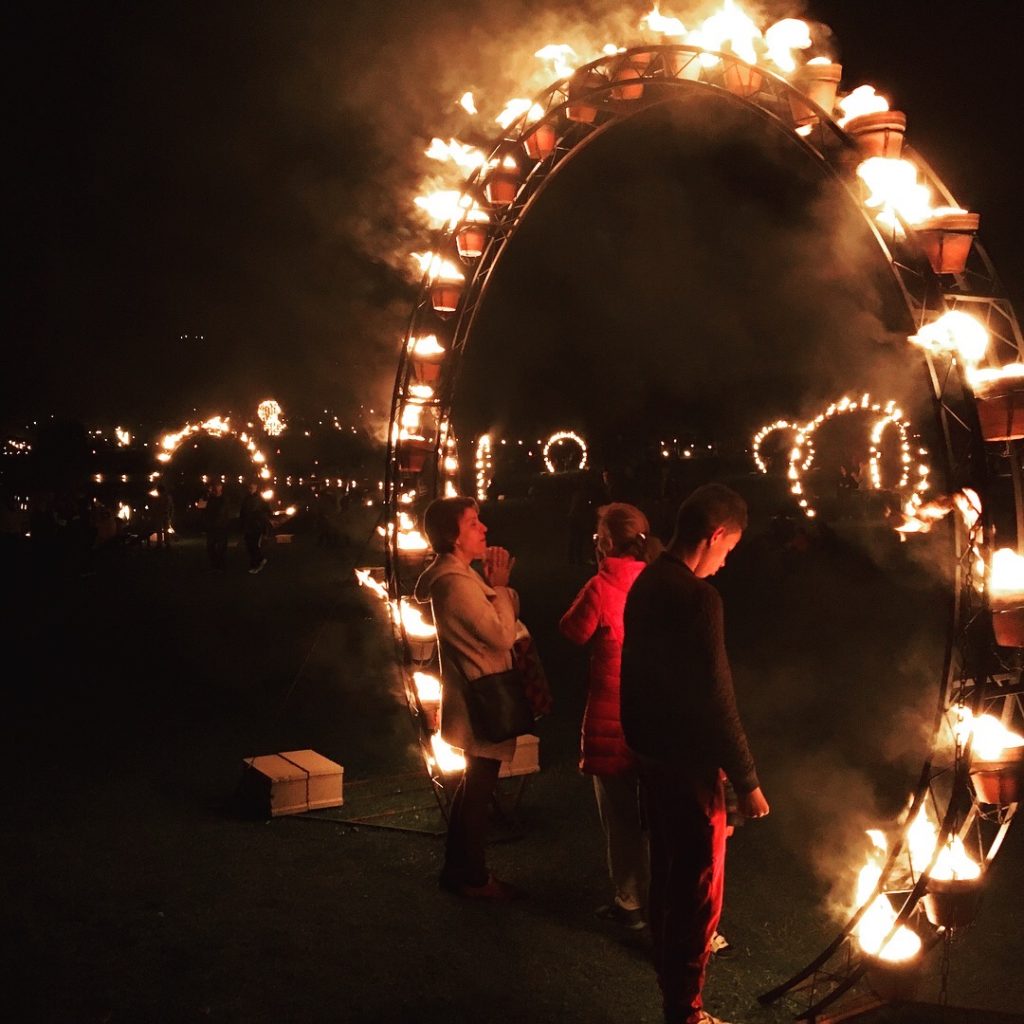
{"x":557,"y":438}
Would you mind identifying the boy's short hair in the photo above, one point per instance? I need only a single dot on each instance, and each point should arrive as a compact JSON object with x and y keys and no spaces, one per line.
{"x":705,"y":510}
{"x":441,"y":522}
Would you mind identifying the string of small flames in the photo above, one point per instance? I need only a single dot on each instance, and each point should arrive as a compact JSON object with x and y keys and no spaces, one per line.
{"x":801,"y":456}
{"x":216,"y":426}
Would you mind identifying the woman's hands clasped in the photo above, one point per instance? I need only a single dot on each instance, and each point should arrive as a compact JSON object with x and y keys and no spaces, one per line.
{"x":497,"y":566}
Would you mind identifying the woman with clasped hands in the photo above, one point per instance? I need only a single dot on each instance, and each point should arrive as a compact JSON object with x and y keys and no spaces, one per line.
{"x":475,"y":617}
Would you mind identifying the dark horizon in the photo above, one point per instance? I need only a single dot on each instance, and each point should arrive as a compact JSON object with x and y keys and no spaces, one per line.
{"x":248,"y":179}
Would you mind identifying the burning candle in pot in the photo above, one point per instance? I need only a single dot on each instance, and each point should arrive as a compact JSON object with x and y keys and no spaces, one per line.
{"x":1006,"y":597}
{"x":946,"y":238}
{"x":420,"y":634}
{"x":999,"y":394}
{"x":628,"y":72}
{"x":501,"y":183}
{"x":954,"y":881}
{"x":426,"y":354}
{"x":428,"y":691}
{"x":581,"y":84}
{"x":819,"y":81}
{"x":446,"y":758}
{"x":997,"y":757}
{"x":876,"y":129}
{"x":446,"y":282}
{"x":878,"y":919}
{"x":471,"y":236}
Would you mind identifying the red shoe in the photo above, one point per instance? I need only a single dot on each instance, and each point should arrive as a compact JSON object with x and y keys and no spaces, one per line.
{"x":493,"y":889}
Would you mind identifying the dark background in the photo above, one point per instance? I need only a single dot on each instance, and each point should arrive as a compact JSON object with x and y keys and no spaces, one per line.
{"x":244,"y":173}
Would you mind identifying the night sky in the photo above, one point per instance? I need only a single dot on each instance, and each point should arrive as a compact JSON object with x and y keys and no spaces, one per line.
{"x":244,"y":172}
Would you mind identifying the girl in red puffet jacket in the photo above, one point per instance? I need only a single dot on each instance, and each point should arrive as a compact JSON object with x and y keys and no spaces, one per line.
{"x":624,"y":547}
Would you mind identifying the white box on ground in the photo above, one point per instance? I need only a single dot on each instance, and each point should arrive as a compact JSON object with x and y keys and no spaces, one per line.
{"x":292,"y":782}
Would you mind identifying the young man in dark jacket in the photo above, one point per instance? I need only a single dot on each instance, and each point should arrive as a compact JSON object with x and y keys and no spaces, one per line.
{"x":679,"y":717}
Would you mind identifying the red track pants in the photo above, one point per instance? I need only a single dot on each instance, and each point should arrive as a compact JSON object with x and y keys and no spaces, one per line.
{"x":687,"y":824}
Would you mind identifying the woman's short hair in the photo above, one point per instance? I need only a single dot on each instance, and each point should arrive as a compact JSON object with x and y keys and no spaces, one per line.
{"x":623,"y":532}
{"x":704,"y":511}
{"x":441,"y":522}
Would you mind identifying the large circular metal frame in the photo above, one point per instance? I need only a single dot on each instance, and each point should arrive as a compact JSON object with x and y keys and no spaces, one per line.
{"x":420,"y":465}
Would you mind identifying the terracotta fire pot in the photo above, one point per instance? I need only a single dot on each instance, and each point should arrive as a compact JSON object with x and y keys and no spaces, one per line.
{"x":444,"y":297}
{"x":818,"y":82}
{"x":501,"y":187}
{"x":540,"y":143}
{"x":683,"y":64}
{"x":412,"y":454}
{"x":431,"y":714}
{"x":426,"y":371}
{"x":742,"y":80}
{"x":1008,"y":623}
{"x":947,"y":240}
{"x":420,"y":650}
{"x":879,"y":134}
{"x":999,"y":782}
{"x":470,"y":240}
{"x":894,"y":980}
{"x":630,"y":70}
{"x":952,"y":903}
{"x":581,"y":83}
{"x":1000,"y":405}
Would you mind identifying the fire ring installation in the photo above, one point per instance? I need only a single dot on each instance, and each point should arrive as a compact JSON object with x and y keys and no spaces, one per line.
{"x":216,"y":426}
{"x":559,"y":437}
{"x":969,"y":785}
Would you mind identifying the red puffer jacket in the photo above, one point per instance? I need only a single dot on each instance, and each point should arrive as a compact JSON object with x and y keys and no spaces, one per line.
{"x":597,"y":613}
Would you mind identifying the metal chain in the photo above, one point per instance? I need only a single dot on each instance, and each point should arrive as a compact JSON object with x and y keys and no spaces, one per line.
{"x":947,"y":944}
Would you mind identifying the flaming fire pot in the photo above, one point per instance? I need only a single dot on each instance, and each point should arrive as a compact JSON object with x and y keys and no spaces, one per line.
{"x":893,"y":980}
{"x":444,"y":297}
{"x":470,"y":240}
{"x":947,"y":241}
{"x":742,"y":80}
{"x":879,"y":134}
{"x":1008,"y":624}
{"x":819,"y":82}
{"x":581,"y":83}
{"x":540,"y":143}
{"x":630,"y":70}
{"x":999,"y":782}
{"x":412,"y":454}
{"x":1000,"y":406}
{"x":952,"y":902}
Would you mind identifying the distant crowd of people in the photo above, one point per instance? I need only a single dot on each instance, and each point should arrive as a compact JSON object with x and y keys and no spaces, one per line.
{"x":661,"y":733}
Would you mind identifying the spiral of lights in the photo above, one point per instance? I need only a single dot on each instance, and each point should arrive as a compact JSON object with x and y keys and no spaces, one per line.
{"x":557,"y":438}
{"x":484,"y":463}
{"x":801,"y":456}
{"x":271,"y":416}
{"x":762,"y":434}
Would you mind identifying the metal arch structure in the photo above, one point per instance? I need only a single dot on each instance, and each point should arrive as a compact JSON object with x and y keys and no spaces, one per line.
{"x":421,"y":463}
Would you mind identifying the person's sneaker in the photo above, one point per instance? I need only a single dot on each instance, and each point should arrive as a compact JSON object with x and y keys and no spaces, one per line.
{"x":720,"y":946}
{"x":631,"y":919}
